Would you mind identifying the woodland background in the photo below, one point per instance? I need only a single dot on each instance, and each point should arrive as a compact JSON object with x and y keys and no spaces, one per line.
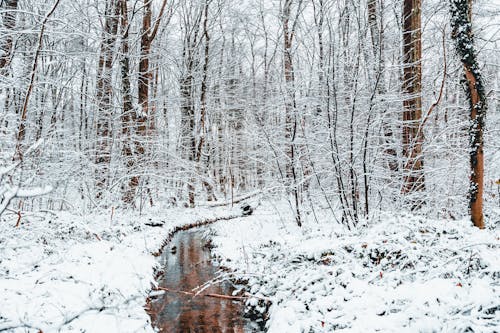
{"x":130,"y":104}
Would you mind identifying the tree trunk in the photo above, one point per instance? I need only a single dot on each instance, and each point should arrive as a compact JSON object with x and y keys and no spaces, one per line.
{"x":145,"y":118}
{"x":105,"y":97}
{"x":461,"y":22}
{"x":187,"y":95}
{"x":144,"y":72}
{"x":188,"y":140}
{"x":201,"y":164}
{"x":128,"y":115}
{"x":291,"y":121}
{"x":413,"y":138}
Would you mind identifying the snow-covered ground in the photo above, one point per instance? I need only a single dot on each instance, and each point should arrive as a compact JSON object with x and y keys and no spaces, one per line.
{"x":67,"y":273}
{"x":397,"y":274}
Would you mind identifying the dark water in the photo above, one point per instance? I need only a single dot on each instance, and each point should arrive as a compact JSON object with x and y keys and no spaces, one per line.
{"x":187,"y":264}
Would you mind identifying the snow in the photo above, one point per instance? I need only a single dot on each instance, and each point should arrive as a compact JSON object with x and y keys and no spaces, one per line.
{"x":398,"y":273}
{"x":33,"y":192}
{"x":67,"y":273}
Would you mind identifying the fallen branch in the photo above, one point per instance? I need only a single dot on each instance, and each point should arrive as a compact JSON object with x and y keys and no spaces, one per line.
{"x":227,"y":297}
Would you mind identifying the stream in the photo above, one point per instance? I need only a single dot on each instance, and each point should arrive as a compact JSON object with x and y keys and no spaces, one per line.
{"x":188,"y":264}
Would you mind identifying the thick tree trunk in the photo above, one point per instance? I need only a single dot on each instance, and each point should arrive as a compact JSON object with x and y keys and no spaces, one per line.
{"x":413,"y":138}
{"x":145,"y":118}
{"x":461,"y":22}
{"x":148,"y":34}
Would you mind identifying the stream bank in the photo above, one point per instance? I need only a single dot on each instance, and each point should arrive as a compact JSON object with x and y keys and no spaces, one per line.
{"x":184,"y":306}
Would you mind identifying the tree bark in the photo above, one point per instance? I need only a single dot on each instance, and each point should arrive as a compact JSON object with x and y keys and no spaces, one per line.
{"x":145,"y":117}
{"x":128,"y":114}
{"x":461,"y":22}
{"x":413,"y":137}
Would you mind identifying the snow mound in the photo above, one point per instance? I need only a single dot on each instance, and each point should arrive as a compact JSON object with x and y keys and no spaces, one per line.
{"x":397,"y":274}
{"x":66,"y":273}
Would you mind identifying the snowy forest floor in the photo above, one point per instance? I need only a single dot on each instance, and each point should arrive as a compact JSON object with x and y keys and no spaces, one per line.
{"x":67,"y":273}
{"x":395,"y":274}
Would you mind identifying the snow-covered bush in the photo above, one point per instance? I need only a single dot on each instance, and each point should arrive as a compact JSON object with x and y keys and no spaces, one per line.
{"x":11,"y":181}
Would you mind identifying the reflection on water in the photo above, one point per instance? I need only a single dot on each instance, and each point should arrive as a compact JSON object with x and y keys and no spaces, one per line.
{"x":187,"y":266}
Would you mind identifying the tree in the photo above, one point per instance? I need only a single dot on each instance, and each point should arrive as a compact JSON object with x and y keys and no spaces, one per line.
{"x":291,"y":117}
{"x":105,"y":96}
{"x":192,"y":16}
{"x":201,"y":149}
{"x":129,"y":116}
{"x":413,"y":137}
{"x":301,"y":98}
{"x":145,"y":117}
{"x":461,"y":22}
{"x":21,"y":132}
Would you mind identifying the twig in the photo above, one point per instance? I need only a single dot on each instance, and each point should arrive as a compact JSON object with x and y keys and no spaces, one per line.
{"x":442,"y":83}
{"x":18,"y":219}
{"x":21,"y":134}
{"x":227,"y":297}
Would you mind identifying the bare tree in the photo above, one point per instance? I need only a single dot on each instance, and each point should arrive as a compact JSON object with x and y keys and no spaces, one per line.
{"x":145,"y":117}
{"x":21,"y":132}
{"x":413,"y":137}
{"x":129,"y":116}
{"x":292,"y":120}
{"x":461,"y":22}
{"x":191,"y":18}
{"x":105,"y":96}
{"x":300,"y":98}
{"x":202,"y":144}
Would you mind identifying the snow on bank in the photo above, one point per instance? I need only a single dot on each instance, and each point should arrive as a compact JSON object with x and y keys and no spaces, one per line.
{"x":68,"y":273}
{"x":398,"y":274}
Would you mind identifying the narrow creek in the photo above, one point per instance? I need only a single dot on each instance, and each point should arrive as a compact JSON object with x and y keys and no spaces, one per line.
{"x":188,"y":264}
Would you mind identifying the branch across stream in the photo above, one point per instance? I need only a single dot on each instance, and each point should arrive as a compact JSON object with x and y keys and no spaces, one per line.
{"x":188,"y":264}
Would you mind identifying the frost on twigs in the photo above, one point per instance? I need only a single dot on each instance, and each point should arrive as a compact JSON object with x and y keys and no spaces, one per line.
{"x":11,"y":178}
{"x":399,"y":274}
{"x":56,"y":276}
